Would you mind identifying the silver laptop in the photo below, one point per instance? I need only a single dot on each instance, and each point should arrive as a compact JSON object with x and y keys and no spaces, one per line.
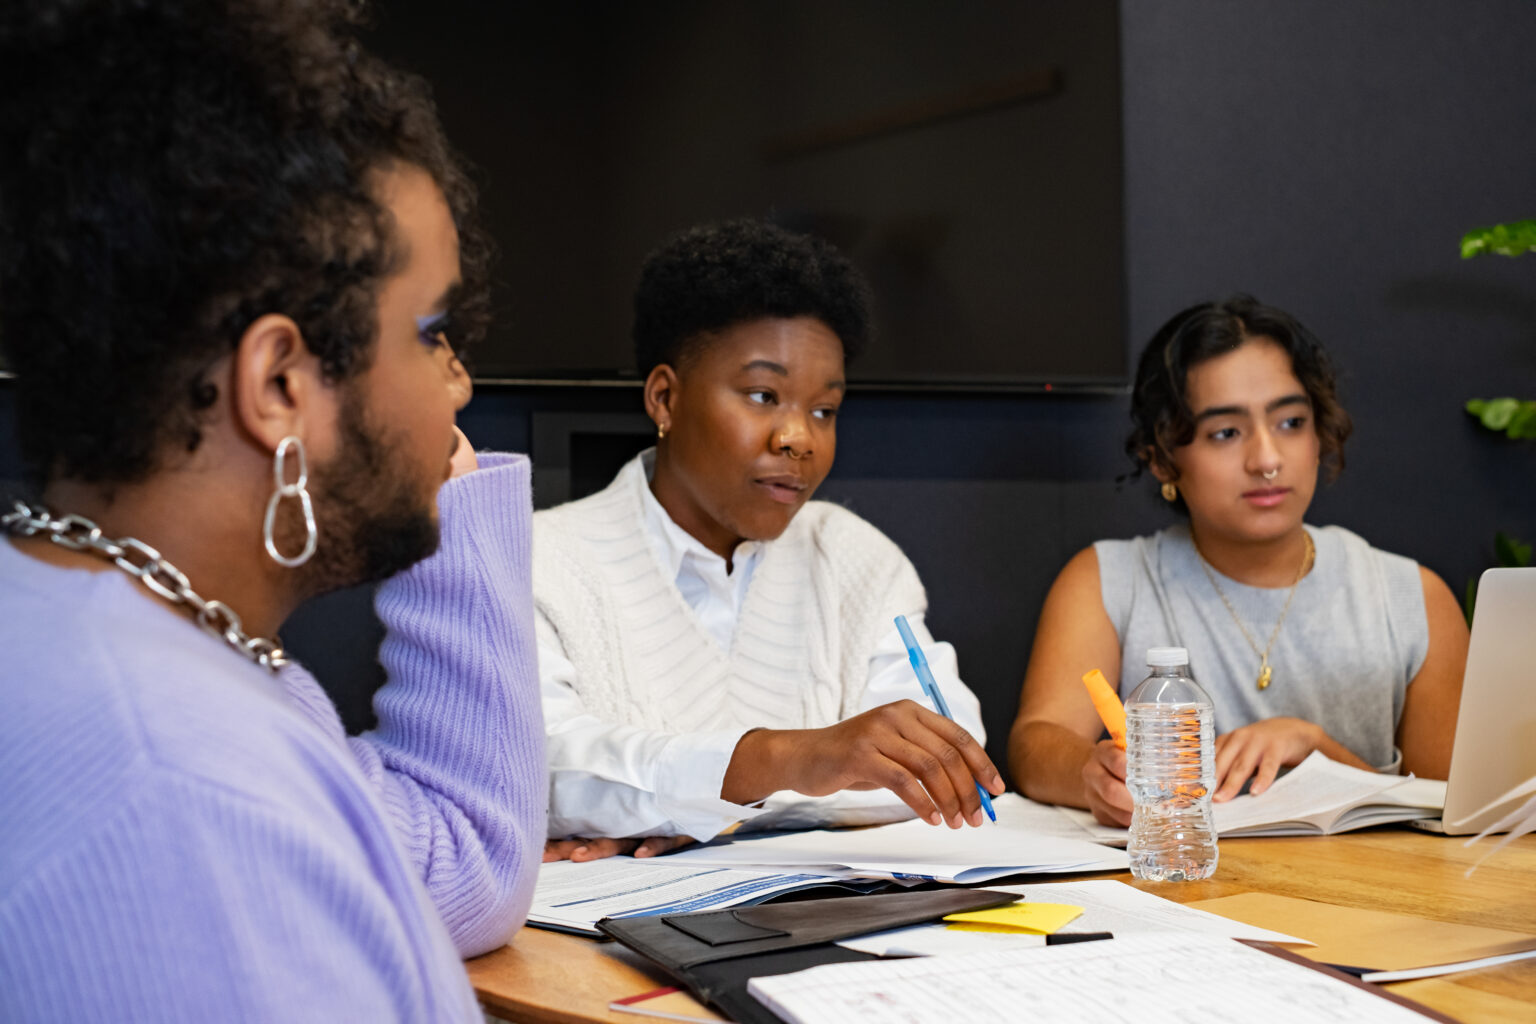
{"x":1495,"y":748}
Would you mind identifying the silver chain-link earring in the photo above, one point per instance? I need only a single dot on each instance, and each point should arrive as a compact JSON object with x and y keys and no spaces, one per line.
{"x":298,"y":489}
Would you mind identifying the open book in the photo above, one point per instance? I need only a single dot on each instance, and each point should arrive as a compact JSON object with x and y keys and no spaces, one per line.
{"x":1317,"y":797}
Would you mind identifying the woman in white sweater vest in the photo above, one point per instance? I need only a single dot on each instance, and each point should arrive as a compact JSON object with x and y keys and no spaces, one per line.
{"x":708,"y":637}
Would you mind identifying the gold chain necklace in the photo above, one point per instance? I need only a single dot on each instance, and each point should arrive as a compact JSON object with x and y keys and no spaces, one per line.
{"x":1265,"y":672}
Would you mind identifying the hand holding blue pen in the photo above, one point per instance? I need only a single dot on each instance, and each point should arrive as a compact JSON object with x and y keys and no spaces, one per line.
{"x":931,"y":688}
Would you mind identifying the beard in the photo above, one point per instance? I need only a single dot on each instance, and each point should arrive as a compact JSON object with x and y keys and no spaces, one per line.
{"x":371,"y":517}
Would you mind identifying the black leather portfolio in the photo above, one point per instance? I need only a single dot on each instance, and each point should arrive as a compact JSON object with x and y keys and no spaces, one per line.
{"x":716,"y":952}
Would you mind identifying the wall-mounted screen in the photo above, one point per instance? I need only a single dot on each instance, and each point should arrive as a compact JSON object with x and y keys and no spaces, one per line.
{"x":966,"y":156}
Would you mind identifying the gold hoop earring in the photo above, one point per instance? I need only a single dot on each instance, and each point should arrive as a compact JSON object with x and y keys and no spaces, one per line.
{"x":1170,"y":492}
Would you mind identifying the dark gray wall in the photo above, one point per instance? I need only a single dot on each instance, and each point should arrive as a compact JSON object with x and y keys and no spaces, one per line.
{"x":1325,"y":157}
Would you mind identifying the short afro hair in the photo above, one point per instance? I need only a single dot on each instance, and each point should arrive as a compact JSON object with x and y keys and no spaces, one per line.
{"x":173,"y":170}
{"x":1160,"y":413}
{"x":716,"y":276}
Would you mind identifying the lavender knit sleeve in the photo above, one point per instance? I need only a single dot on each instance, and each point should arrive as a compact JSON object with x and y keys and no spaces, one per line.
{"x":458,"y":754}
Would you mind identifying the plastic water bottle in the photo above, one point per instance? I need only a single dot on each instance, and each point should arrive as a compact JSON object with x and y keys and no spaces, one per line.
{"x":1171,"y":771}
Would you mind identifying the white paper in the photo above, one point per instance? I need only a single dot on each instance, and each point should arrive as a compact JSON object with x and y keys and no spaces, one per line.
{"x":1143,"y":979}
{"x":1108,"y":906}
{"x":1040,"y":819}
{"x":915,"y":849}
{"x":937,"y":939}
{"x":1013,"y":811}
{"x":1109,"y":835}
{"x":1112,"y":906}
{"x":577,"y":895}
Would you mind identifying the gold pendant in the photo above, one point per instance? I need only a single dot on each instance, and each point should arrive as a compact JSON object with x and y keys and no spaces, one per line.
{"x":1264,"y":673}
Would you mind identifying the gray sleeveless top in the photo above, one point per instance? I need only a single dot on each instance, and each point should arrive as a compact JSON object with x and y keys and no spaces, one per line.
{"x":1355,"y":637}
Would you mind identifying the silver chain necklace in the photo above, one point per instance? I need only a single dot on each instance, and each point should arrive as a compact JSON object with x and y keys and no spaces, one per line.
{"x":142,"y":561}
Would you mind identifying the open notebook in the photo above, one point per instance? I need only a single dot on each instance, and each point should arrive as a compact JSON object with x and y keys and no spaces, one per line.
{"x":1317,"y":797}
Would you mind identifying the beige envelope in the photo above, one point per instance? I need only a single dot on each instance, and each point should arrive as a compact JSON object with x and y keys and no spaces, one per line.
{"x":1367,"y":938}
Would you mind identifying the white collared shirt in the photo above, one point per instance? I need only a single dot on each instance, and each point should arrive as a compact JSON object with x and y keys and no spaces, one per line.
{"x":714,"y":594}
{"x":617,"y":779}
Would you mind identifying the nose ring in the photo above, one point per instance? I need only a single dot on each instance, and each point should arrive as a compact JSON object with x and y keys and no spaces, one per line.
{"x":1271,"y":474}
{"x":788,"y":449}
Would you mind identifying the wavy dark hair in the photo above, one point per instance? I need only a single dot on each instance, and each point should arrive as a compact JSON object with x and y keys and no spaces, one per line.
{"x":715,"y":276}
{"x":175,"y":169}
{"x":1160,"y":409}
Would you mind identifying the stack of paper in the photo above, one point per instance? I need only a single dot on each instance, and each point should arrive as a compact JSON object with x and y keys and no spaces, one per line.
{"x":914,"y":850}
{"x":574,"y":897}
{"x":1107,"y":905}
{"x":1151,"y":979}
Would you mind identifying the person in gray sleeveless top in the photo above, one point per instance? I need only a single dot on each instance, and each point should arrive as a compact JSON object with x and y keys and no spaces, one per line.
{"x":1306,"y":638}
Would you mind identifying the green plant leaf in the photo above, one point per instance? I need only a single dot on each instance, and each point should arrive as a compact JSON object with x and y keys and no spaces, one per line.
{"x":1508,"y":415}
{"x":1495,"y":413}
{"x":1509,"y":239}
{"x":1522,"y":425}
{"x":1510,"y":553}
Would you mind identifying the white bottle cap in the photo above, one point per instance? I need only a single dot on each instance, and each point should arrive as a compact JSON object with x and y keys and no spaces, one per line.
{"x":1167,"y":657}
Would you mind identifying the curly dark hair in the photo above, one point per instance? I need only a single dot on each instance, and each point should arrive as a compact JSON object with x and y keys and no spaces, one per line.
{"x":1160,"y":410}
{"x":715,"y":276}
{"x":175,"y":169}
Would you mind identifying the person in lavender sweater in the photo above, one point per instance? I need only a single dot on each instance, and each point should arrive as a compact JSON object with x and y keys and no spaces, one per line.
{"x":230,"y":243}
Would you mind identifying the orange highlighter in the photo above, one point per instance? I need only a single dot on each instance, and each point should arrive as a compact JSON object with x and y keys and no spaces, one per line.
{"x":1107,"y":703}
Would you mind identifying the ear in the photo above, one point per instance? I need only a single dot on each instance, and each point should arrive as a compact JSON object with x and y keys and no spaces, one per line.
{"x":661,"y":390}
{"x":277,"y":387}
{"x":1163,"y":471}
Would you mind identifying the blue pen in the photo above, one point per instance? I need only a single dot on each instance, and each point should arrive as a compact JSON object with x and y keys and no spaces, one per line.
{"x":931,"y":688}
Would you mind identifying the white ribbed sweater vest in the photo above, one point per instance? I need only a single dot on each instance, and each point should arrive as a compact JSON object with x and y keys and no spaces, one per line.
{"x":817,"y":602}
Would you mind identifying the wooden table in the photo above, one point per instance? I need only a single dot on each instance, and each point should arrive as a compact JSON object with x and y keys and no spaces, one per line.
{"x":563,"y":979}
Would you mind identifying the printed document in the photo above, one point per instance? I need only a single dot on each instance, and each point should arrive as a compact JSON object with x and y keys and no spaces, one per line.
{"x":574,"y":897}
{"x":916,"y":850}
{"x":1142,"y":979}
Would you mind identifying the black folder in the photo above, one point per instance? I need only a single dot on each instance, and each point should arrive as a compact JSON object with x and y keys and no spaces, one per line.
{"x":716,"y":952}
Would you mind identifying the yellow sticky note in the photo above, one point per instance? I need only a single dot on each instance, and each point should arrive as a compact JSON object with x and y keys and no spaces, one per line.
{"x":1035,"y":918}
